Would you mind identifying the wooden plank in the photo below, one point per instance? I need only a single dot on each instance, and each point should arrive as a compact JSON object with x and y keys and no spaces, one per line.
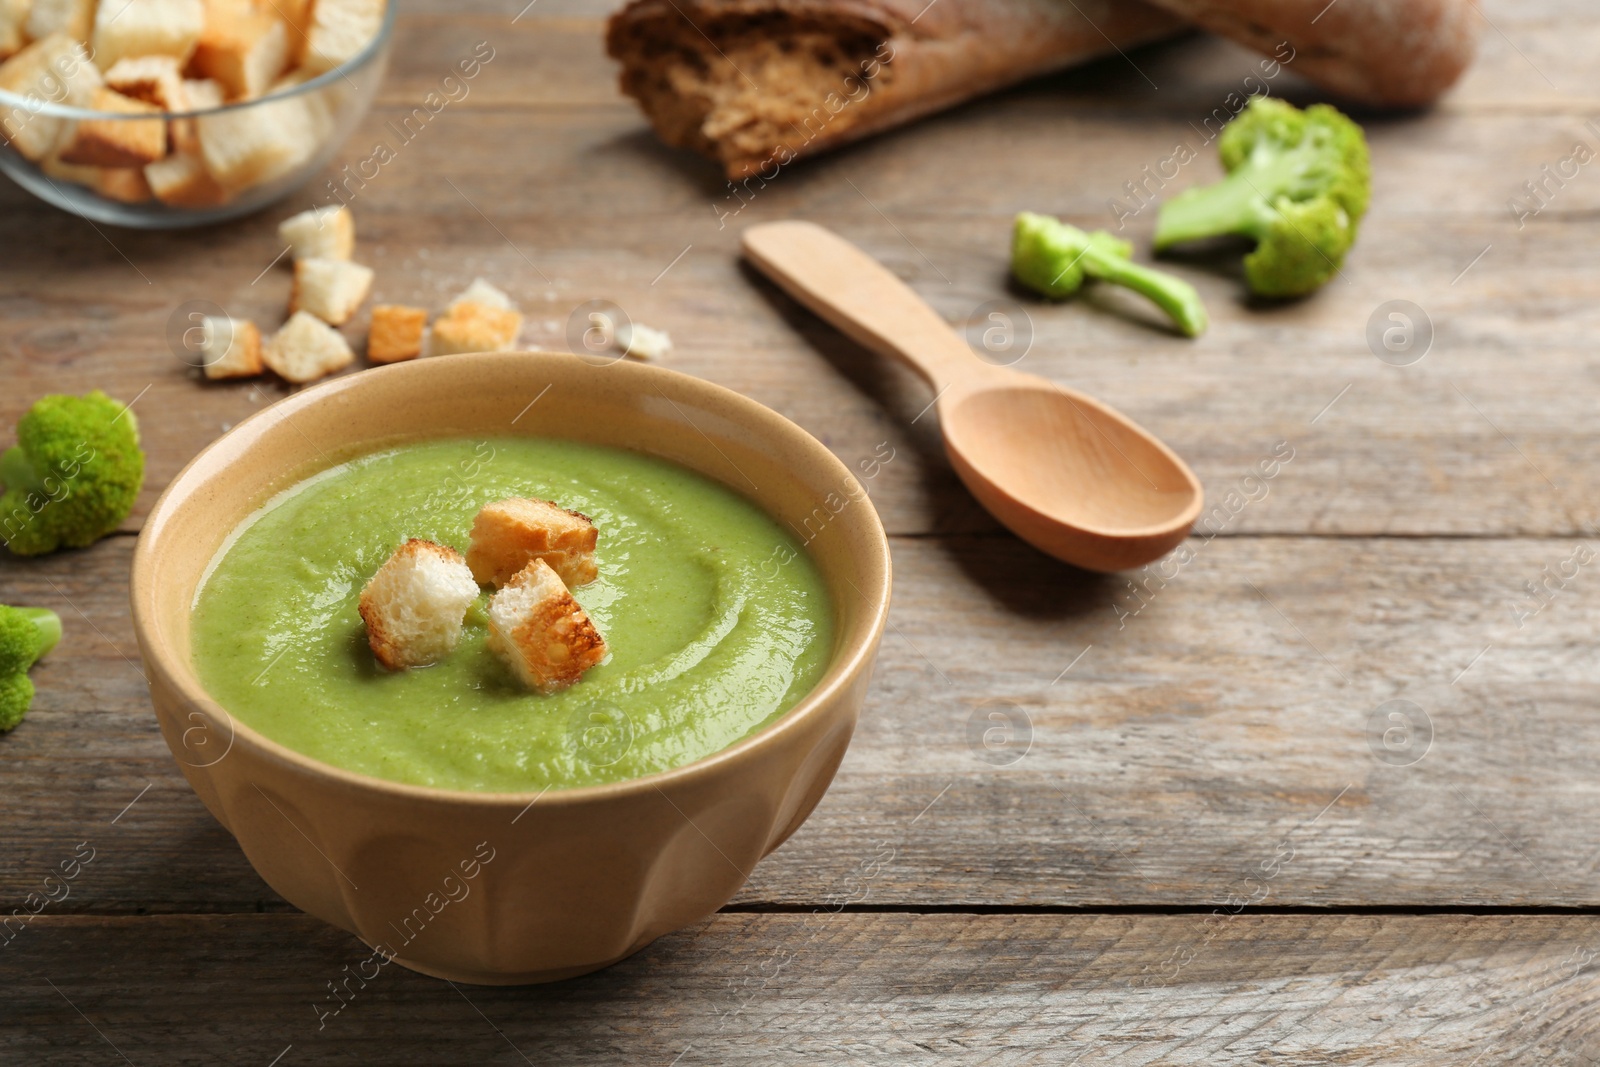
{"x":1217,"y":736}
{"x":1448,"y":446}
{"x":832,"y":988}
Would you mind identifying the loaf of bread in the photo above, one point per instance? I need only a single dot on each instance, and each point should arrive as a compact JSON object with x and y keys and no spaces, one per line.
{"x":755,"y":83}
{"x":1384,"y":53}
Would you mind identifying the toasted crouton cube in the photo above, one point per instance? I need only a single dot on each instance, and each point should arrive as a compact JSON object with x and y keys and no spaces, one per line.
{"x":509,"y":534}
{"x":254,"y":145}
{"x":244,"y":48}
{"x":69,"y":172}
{"x":146,"y":28}
{"x":331,"y":289}
{"x":481,"y":292}
{"x":340,"y":31}
{"x":306,"y":349}
{"x":157,"y":80}
{"x":296,"y":14}
{"x":230,"y":348}
{"x":200,"y":94}
{"x":396,"y":333}
{"x":53,"y":70}
{"x":471,"y":327}
{"x":119,"y":142}
{"x":541,"y":632}
{"x":13,"y":26}
{"x":414,"y":605}
{"x":181,"y":180}
{"x":71,"y":17}
{"x":125,"y":184}
{"x":327,"y":232}
{"x":319,"y":103}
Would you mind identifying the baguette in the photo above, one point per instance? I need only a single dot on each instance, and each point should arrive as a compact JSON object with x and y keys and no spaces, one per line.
{"x":1383,"y":53}
{"x":752,"y":84}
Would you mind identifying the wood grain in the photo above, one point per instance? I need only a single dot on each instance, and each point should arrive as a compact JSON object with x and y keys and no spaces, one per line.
{"x":838,"y":988}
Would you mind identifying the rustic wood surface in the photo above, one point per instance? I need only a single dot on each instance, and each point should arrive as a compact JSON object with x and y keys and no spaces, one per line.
{"x":1196,"y":847}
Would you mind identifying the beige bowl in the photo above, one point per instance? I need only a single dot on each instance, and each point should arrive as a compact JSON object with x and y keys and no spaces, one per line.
{"x":508,"y":888}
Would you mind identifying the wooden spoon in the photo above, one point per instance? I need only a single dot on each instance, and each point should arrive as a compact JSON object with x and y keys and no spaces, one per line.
{"x":1069,"y":475}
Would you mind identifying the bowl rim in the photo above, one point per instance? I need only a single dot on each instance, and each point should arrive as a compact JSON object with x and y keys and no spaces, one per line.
{"x":51,"y":109}
{"x":177,"y":672}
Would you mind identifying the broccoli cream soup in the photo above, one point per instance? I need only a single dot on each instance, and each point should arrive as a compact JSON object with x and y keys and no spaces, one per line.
{"x":717,"y":621}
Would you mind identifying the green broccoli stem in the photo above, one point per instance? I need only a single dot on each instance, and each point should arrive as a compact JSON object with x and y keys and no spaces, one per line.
{"x":1173,"y":295}
{"x":49,"y":624}
{"x":1232,"y":206}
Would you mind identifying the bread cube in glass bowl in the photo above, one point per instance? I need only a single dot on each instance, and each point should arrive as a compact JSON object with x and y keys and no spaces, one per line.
{"x":224,"y":122}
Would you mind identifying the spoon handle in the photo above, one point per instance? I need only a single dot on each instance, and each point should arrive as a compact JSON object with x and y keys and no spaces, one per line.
{"x":859,"y":296}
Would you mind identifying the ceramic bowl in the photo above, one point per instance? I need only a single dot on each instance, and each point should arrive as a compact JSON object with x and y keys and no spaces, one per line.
{"x":506,"y":888}
{"x":315,"y":117}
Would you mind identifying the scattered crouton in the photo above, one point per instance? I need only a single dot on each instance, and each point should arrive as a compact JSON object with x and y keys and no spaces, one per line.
{"x":146,"y":28}
{"x":55,"y":69}
{"x":70,"y":17}
{"x":157,"y":80}
{"x":13,"y":26}
{"x":331,"y":289}
{"x":481,"y":292}
{"x":306,"y":349}
{"x":541,"y":632}
{"x":340,"y":31}
{"x":129,"y":142}
{"x":181,"y":180}
{"x":507,"y":535}
{"x":642,"y":342}
{"x":327,"y":232}
{"x":473,"y":327}
{"x":396,"y":333}
{"x":243,"y":47}
{"x":124,"y":184}
{"x":414,"y":605}
{"x":231,"y":348}
{"x":247,"y":147}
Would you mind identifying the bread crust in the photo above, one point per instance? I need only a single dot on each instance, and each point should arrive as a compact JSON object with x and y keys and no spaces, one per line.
{"x":1384,"y":53}
{"x":508,"y":535}
{"x":755,"y":83}
{"x":548,"y":642}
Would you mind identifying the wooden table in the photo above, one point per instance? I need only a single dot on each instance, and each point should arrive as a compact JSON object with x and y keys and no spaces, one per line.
{"x":1204,"y":840}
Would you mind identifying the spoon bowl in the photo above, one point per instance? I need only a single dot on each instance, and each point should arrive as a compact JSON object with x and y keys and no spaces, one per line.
{"x":1073,"y":477}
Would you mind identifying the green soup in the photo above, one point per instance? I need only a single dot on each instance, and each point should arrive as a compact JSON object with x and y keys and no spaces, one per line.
{"x":717,"y":621}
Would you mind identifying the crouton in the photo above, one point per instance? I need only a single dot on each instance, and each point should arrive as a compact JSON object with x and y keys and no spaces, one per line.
{"x":327,"y":232}
{"x":415,"y":604}
{"x":69,"y":172}
{"x":201,"y":94}
{"x":181,"y":180}
{"x":130,"y":142}
{"x":296,"y":14}
{"x":126,"y":184}
{"x":157,"y":80}
{"x":244,"y":48}
{"x":540,"y":632}
{"x":254,"y":145}
{"x":331,"y":289}
{"x":340,"y":31}
{"x":53,"y":70}
{"x":319,"y":103}
{"x":472,"y":327}
{"x":306,"y":349}
{"x":146,"y":28}
{"x":481,"y":292}
{"x":231,"y":348}
{"x":509,"y":534}
{"x":396,"y":333}
{"x":71,"y":17}
{"x":13,"y":26}
{"x":641,"y":342}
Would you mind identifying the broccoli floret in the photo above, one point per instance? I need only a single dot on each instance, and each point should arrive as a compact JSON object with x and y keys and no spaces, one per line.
{"x":26,"y":634}
{"x":1053,"y":258}
{"x":1298,"y":182}
{"x":73,"y":475}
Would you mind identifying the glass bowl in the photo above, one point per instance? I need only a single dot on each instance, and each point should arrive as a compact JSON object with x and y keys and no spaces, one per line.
{"x":274,"y":144}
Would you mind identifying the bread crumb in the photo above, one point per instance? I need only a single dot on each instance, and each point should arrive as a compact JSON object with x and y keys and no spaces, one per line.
{"x":327,"y":232}
{"x":396,"y":333}
{"x":642,"y":342}
{"x":306,"y":349}
{"x":231,"y":348}
{"x":331,"y":289}
{"x":473,"y":327}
